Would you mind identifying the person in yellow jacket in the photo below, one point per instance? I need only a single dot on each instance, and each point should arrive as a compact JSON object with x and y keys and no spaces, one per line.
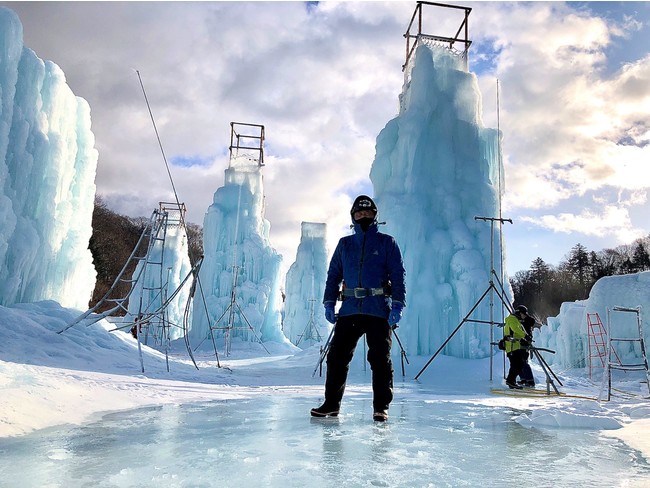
{"x":516,"y":341}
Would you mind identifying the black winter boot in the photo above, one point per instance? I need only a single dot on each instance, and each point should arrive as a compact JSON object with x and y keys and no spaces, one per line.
{"x":380,"y":416}
{"x":325,"y":411}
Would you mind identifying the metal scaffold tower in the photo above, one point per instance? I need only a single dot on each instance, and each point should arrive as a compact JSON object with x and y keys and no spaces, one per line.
{"x":152,"y":324}
{"x":148,"y":286}
{"x":612,"y":341}
{"x":152,"y":314}
{"x":244,"y":138}
{"x":310,"y":332}
{"x":458,"y":43}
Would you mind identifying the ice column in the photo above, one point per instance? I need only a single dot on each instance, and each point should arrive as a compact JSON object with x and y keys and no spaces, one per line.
{"x":47,"y":174}
{"x":436,"y":168}
{"x":158,"y":282}
{"x":304,"y":322}
{"x":238,"y":255}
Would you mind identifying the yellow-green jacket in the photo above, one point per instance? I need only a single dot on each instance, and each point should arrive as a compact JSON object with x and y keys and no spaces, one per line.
{"x":515,"y":329}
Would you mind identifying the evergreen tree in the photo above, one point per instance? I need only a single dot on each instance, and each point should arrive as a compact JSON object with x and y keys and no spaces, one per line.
{"x":544,"y":288}
{"x":578,"y":265}
{"x":597,"y":266}
{"x":640,"y":258}
{"x":521,"y":288}
{"x":540,"y":274}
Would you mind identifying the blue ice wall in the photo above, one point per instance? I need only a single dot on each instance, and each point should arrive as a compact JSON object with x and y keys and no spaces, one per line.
{"x":47,"y":179}
{"x":567,"y":334}
{"x":239,"y":256}
{"x":436,"y":168}
{"x":304,"y":323}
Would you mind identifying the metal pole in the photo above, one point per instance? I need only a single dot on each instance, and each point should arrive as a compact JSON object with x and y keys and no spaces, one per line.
{"x":491,"y":290}
{"x":324,"y":350}
{"x":493,"y":274}
{"x":402,"y":352}
{"x":609,"y":349}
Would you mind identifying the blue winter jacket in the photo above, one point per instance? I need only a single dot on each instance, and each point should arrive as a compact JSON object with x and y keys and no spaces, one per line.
{"x":366,"y":260}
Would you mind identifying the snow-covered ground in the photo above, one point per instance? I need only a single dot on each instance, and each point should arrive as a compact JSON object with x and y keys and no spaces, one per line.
{"x":49,"y":379}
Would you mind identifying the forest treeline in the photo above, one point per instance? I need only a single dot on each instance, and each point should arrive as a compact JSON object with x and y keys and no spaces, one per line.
{"x":544,"y":287}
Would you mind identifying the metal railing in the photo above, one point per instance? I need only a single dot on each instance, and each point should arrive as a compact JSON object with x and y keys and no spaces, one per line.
{"x":460,"y":38}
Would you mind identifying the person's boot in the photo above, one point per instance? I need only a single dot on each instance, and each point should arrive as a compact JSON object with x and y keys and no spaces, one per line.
{"x":514,"y":386}
{"x":325,"y":410}
{"x":380,"y":415}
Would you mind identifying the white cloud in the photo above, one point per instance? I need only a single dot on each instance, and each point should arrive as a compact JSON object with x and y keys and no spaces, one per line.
{"x":324,"y":81}
{"x":563,"y":118}
{"x":611,"y":221}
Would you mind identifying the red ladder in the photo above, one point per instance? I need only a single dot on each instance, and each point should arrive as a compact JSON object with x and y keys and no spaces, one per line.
{"x":597,"y":348}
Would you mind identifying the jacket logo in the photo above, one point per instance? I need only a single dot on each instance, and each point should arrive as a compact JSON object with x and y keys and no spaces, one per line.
{"x":376,"y":253}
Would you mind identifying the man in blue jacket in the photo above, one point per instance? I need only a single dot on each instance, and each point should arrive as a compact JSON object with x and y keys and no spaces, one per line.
{"x":369,"y":266}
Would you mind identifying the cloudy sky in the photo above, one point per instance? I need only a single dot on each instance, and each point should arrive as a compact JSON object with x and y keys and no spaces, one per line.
{"x":324,"y":79}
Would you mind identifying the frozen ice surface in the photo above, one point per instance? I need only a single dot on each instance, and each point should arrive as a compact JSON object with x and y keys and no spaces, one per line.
{"x":271,"y":441}
{"x":247,"y":423}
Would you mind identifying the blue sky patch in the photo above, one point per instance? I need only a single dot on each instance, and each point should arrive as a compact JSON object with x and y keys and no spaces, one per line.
{"x":310,"y":6}
{"x":635,"y":18}
{"x":483,"y":57}
{"x":189,"y":161}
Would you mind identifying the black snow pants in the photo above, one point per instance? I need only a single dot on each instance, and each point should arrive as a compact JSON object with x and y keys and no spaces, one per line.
{"x":526,"y":373}
{"x":517,"y":364}
{"x":347,"y":332}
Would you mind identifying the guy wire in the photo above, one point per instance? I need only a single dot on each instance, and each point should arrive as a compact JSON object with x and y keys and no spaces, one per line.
{"x":181,"y":216}
{"x":501,"y":273}
{"x":161,"y":148}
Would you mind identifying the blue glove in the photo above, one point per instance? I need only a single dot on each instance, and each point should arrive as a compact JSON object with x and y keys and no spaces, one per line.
{"x":395,"y":314}
{"x":329,"y":313}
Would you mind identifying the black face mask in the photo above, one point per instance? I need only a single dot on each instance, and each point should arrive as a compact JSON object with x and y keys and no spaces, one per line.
{"x":365,"y":222}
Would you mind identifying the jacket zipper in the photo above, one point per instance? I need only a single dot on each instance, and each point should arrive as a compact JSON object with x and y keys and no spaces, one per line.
{"x":363,"y":253}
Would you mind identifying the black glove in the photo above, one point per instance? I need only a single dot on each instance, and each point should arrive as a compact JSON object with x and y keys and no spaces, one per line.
{"x":524,"y":342}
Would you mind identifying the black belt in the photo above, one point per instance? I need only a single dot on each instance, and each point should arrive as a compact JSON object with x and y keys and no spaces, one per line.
{"x":363,"y":292}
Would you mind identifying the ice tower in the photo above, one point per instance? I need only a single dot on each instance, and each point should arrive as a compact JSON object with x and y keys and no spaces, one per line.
{"x":304,"y":323}
{"x":160,"y":275}
{"x":436,"y":168}
{"x":47,"y":179}
{"x":241,"y":271}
